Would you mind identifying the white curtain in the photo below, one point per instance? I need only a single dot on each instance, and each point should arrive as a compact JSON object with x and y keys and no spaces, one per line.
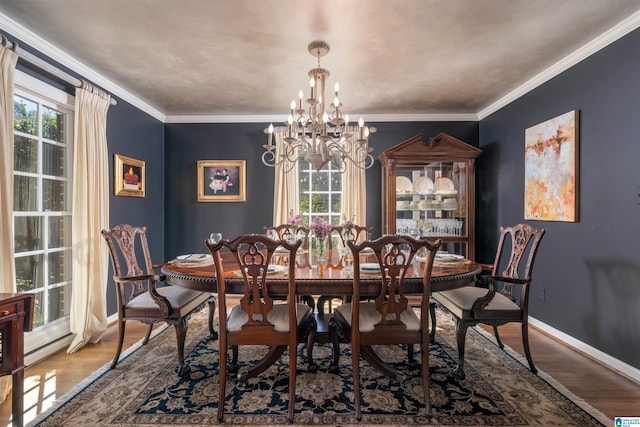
{"x":285,"y":192}
{"x":354,"y":192}
{"x":8,"y":60}
{"x":90,"y":212}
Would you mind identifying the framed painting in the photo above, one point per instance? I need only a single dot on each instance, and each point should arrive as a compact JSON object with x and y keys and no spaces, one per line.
{"x":222,"y":181}
{"x":551,"y":169}
{"x":128,"y":174}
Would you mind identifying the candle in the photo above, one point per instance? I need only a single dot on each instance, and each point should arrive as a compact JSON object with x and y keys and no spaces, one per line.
{"x":271,"y":134}
{"x":312,"y":83}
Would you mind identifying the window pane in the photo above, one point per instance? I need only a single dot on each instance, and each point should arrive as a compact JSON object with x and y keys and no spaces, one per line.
{"x":53,"y":160}
{"x":320,"y":203}
{"x":335,"y":203}
{"x":59,"y":267}
{"x":52,"y":124}
{"x":29,"y":272}
{"x":28,"y":233}
{"x":59,"y":231}
{"x":25,"y":193}
{"x":38,"y":310}
{"x":59,"y":302}
{"x":25,"y":154}
{"x":336,"y":181}
{"x":25,"y":115}
{"x":320,"y":181}
{"x":54,"y":195}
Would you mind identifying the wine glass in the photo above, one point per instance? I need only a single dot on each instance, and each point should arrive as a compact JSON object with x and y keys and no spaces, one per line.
{"x":215,"y":237}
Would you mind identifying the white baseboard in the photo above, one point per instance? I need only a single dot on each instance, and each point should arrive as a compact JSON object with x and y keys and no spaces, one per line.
{"x":601,"y":357}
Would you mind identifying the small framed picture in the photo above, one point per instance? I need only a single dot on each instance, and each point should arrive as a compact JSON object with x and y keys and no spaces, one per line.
{"x":128,"y":176}
{"x":222,"y":181}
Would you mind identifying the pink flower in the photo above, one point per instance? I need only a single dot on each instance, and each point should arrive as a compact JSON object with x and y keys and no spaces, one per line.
{"x":320,"y":228}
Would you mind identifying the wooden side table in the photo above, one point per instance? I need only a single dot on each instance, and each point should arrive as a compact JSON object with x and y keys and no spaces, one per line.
{"x":16,"y":317}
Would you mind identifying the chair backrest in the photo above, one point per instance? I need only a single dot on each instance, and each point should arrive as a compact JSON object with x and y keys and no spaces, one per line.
{"x":287,"y":232}
{"x":252,"y":254}
{"x":519,"y":255}
{"x":125,"y":243}
{"x":355,"y":233}
{"x":394,"y":255}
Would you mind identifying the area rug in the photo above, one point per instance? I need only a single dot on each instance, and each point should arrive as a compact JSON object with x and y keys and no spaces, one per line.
{"x":144,"y":389}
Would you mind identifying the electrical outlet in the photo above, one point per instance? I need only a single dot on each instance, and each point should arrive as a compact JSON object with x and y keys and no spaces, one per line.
{"x":541,"y":294}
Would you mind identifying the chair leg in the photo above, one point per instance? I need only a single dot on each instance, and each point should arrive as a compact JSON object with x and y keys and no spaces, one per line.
{"x":181,"y":326}
{"x":233,"y":367}
{"x":525,"y":344}
{"x":148,"y":335}
{"x":495,"y":332}
{"x":426,"y":386}
{"x":121,"y":327}
{"x":461,"y":332}
{"x":292,"y":380}
{"x":223,"y":381}
{"x":355,"y":360}
{"x":212,"y":311}
{"x":432,"y":314}
{"x":311,"y":339}
{"x":335,"y":344}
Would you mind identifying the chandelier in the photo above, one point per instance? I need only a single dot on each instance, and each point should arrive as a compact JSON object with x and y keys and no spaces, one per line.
{"x":319,"y":132}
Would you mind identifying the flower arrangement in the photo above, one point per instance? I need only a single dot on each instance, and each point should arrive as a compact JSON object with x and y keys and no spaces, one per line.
{"x":347,"y":224}
{"x":294,"y":220}
{"x":320,"y":228}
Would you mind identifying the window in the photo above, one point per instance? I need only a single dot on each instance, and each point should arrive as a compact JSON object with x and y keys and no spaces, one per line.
{"x":43,"y":129}
{"x":320,"y":193}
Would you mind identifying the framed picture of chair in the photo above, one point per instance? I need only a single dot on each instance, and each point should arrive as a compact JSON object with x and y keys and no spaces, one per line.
{"x":128,"y":176}
{"x":222,"y":181}
{"x":551,"y":169}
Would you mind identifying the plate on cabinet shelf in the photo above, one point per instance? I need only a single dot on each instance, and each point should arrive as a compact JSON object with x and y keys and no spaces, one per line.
{"x":403,"y":184}
{"x":423,"y":185}
{"x":445,"y":186}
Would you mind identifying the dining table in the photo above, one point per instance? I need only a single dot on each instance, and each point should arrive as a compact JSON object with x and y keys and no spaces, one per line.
{"x":317,"y":282}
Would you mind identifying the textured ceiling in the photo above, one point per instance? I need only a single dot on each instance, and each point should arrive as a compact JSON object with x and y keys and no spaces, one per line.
{"x":249,"y":57}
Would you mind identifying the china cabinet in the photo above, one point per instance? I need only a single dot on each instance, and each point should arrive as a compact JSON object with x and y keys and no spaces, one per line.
{"x":428,"y":186}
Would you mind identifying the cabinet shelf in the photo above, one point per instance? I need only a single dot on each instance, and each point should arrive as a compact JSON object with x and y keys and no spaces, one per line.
{"x":409,"y":168}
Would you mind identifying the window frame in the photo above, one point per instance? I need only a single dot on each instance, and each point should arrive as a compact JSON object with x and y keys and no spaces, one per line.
{"x":54,"y":335}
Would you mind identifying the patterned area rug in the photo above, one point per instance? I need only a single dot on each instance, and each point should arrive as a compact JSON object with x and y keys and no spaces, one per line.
{"x":144,"y":389}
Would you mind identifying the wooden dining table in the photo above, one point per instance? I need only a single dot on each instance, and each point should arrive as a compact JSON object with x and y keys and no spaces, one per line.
{"x":318,"y":282}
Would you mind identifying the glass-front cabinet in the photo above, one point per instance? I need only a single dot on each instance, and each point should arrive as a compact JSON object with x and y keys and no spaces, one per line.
{"x":428,"y":186}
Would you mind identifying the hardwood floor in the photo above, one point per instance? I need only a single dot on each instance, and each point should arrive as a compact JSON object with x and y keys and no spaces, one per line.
{"x":602,"y":388}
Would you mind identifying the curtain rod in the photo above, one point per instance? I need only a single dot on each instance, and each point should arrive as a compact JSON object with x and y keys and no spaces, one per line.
{"x":45,"y":66}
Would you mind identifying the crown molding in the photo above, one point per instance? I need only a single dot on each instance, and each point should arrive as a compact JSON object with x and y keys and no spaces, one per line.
{"x":600,"y":42}
{"x":58,"y":55}
{"x":371,"y":118}
{"x":626,"y":26}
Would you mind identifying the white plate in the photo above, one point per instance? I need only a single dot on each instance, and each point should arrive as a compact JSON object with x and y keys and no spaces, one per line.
{"x":448,"y":257}
{"x":403,"y":184}
{"x":195,"y":258}
{"x":370,"y":266}
{"x":423,"y":185}
{"x":444,"y":185}
{"x":275,"y":268}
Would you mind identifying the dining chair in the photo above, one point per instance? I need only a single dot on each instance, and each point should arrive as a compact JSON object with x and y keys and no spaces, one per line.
{"x":388,"y":319}
{"x":139,"y":296}
{"x":500,"y":303}
{"x":356,"y":233}
{"x":289,"y":232}
{"x":257,"y":320}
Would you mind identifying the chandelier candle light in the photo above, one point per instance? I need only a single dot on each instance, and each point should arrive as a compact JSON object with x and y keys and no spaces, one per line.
{"x":319,"y":133}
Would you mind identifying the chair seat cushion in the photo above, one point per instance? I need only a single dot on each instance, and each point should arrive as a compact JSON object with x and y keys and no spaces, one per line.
{"x":370,"y":316}
{"x":182,"y":301}
{"x":459,"y":303}
{"x":278,"y":317}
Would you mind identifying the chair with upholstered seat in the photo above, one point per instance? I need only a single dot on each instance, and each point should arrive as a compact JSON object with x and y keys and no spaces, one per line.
{"x":257,"y":320}
{"x":140,"y":298}
{"x":355,"y":233}
{"x":388,"y":319}
{"x":496,"y":305}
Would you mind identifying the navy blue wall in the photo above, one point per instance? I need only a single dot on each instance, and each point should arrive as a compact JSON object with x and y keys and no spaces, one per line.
{"x":590,"y":269}
{"x":189,"y":222}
